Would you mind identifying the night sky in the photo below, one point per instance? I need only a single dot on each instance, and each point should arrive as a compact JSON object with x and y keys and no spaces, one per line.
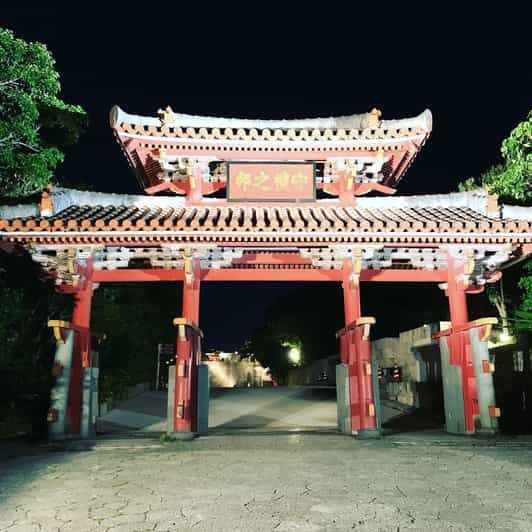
{"x":471,"y":69}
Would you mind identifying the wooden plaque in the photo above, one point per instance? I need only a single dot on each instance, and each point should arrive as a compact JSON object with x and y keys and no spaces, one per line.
{"x":252,"y":181}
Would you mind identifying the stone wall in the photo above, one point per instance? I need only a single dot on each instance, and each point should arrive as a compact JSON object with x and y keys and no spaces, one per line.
{"x":321,"y":372}
{"x":405,"y":352}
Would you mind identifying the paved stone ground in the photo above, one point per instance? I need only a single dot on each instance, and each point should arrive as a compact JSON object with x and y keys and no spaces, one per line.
{"x":260,"y":481}
{"x":283,"y":407}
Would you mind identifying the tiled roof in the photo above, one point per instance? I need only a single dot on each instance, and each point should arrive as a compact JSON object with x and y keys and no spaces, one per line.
{"x":356,"y":127}
{"x":150,"y":142}
{"x":427,"y":223}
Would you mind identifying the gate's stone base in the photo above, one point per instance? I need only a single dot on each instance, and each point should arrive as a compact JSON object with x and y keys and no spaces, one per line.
{"x":203,"y":400}
{"x":368,"y":434}
{"x":202,"y":410}
{"x":342,"y":398}
{"x":89,"y":408}
{"x":343,"y":405}
{"x":453,"y":392}
{"x":58,"y":429}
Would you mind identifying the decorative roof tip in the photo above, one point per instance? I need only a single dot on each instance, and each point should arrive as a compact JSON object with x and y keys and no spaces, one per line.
{"x":427,"y":117}
{"x":373,"y":118}
{"x":422,"y":120}
{"x":492,"y":204}
{"x":46,"y":206}
{"x":118,"y":116}
{"x":166,"y":116}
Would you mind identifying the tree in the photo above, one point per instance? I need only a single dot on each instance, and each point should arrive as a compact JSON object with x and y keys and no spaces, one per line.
{"x":135,"y":317}
{"x":35,"y":124}
{"x":512,"y":180}
{"x":297,"y":320}
{"x":524,"y":313}
{"x":27,"y":302}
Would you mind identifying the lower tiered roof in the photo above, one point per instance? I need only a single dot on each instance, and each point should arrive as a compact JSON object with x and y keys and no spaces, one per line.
{"x":77,"y":216}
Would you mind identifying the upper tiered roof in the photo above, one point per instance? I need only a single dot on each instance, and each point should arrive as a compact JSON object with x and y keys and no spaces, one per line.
{"x":165,"y":151}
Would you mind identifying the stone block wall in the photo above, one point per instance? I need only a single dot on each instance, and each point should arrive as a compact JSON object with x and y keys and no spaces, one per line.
{"x":403,"y":352}
{"x":321,"y":372}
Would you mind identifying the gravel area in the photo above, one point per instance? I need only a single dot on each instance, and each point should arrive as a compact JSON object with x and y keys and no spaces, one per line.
{"x":262,"y":481}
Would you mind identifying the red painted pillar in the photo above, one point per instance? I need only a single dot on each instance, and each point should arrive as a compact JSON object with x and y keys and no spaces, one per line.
{"x":196,"y":184}
{"x":457,"y":300}
{"x":81,"y":317}
{"x":367,"y":407}
{"x":458,"y":342}
{"x":191,"y":298}
{"x":355,"y":351}
{"x":351,"y":291}
{"x":185,"y":401}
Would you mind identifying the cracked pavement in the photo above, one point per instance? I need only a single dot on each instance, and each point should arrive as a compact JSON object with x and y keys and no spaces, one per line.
{"x":271,"y":481}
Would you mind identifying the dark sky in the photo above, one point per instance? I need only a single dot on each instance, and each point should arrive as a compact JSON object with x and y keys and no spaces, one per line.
{"x":472,"y":69}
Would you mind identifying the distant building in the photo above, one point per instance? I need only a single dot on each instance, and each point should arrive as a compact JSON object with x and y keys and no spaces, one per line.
{"x":229,"y":370}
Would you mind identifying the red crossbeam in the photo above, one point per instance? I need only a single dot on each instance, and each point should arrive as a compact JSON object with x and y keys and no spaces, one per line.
{"x":268,"y":274}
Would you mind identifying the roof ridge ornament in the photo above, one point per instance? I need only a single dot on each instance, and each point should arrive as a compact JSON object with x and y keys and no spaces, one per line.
{"x":166,"y":116}
{"x":374,"y":118}
{"x":492,"y":203}
{"x":46,"y":205}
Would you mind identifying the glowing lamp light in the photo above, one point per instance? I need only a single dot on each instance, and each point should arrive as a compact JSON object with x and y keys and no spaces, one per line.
{"x":294,"y":355}
{"x":505,"y":337}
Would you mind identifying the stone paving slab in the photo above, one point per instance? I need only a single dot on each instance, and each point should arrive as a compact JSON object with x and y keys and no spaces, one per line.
{"x":280,"y":482}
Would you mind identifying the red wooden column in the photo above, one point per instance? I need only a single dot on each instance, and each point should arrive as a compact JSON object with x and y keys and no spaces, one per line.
{"x":458,"y":340}
{"x":185,"y":399}
{"x":351,"y":289}
{"x":195,"y":192}
{"x":355,"y":351}
{"x":81,"y":317}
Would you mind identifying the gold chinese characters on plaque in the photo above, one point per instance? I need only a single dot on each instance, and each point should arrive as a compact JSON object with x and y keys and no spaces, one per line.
{"x":271,"y":182}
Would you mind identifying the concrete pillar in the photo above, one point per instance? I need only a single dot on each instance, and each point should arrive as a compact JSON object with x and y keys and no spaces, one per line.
{"x":453,"y":398}
{"x":343,"y":400}
{"x":81,"y":316}
{"x":468,"y":388}
{"x":90,"y":402}
{"x":58,"y":424}
{"x":468,"y":392}
{"x":486,"y":422}
{"x":202,"y":426}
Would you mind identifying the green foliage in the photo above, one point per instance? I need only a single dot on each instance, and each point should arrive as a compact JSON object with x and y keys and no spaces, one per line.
{"x":525,"y":284}
{"x":298,"y":320}
{"x":113,"y":384}
{"x":35,"y":124}
{"x":135,"y":318}
{"x":26,"y":303}
{"x":309,"y":317}
{"x":511,"y":179}
{"x":26,"y":344}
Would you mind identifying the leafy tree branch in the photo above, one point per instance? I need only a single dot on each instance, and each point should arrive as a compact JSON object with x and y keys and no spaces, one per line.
{"x":35,"y":123}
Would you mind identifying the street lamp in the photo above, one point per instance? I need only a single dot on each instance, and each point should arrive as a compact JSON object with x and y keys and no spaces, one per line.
{"x":294,"y":355}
